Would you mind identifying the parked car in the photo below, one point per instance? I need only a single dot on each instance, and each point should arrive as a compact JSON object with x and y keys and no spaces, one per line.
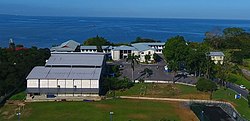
{"x":121,"y":66}
{"x":242,"y":87}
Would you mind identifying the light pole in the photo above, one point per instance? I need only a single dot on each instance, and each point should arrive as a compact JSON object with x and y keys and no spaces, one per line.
{"x":202,"y":115}
{"x":18,"y":113}
{"x":111,"y":115}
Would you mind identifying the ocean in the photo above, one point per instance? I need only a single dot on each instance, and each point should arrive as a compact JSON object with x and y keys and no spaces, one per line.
{"x":47,"y":31}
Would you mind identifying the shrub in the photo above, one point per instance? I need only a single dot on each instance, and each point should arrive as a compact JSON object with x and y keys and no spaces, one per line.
{"x":206,"y":85}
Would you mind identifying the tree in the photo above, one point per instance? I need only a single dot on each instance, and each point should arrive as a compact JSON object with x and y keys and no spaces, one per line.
{"x":156,"y":57}
{"x":15,"y":66}
{"x":134,"y":59}
{"x":196,"y":59}
{"x":248,"y":98}
{"x":99,"y":48}
{"x":175,"y":52}
{"x":206,"y":85}
{"x":147,"y":58}
{"x":148,"y":72}
{"x":233,"y":32}
{"x":97,"y":41}
{"x":143,"y":40}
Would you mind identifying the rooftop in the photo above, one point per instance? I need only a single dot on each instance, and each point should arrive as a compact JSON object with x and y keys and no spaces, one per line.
{"x":142,"y":47}
{"x":70,"y":45}
{"x":94,"y":47}
{"x":41,"y":72}
{"x":216,"y":54}
{"x":75,"y":59}
{"x":150,"y":43}
{"x":123,"y":47}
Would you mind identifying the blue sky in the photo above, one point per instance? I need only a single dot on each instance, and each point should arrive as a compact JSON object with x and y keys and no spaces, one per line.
{"x":212,"y":9}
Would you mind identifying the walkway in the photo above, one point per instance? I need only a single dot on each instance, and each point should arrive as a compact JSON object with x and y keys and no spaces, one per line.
{"x":174,"y":99}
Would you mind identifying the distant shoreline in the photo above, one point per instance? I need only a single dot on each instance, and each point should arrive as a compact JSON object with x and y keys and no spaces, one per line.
{"x":124,"y":17}
{"x":43,"y":31}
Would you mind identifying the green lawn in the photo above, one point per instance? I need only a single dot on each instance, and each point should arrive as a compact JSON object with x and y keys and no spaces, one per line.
{"x":163,"y":90}
{"x":240,"y":80}
{"x":124,"y":110}
{"x":240,"y":104}
{"x":247,"y":63}
{"x":18,"y":96}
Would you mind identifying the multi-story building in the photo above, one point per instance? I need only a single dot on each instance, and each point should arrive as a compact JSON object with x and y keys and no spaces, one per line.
{"x":217,"y":57}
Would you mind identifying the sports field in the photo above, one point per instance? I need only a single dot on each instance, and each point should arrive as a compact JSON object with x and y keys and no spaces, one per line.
{"x":124,"y":110}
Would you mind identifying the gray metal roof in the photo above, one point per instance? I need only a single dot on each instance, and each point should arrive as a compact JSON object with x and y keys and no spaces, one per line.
{"x":216,"y":54}
{"x":75,"y":59}
{"x":94,"y":47}
{"x":151,"y":43}
{"x":41,"y":72}
{"x":142,"y":47}
{"x":88,"y":47}
{"x":70,"y":45}
{"x":123,"y":47}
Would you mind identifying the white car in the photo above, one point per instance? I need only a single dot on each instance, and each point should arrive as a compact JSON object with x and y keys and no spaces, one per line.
{"x":242,"y":87}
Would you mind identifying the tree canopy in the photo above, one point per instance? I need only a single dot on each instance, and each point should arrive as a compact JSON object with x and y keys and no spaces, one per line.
{"x":143,"y":40}
{"x":175,"y":52}
{"x":206,"y":85}
{"x":96,"y":41}
{"x":16,"y":65}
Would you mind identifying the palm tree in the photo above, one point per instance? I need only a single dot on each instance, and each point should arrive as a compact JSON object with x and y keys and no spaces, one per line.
{"x":148,"y":72}
{"x":147,"y":58}
{"x":134,"y":59}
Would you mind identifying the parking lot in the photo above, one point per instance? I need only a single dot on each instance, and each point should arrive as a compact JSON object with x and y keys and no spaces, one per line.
{"x":158,"y":74}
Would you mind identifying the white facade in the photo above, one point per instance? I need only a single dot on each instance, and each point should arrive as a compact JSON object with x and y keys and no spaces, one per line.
{"x":88,"y":51}
{"x":33,"y":83}
{"x":62,"y":84}
{"x":146,"y":52}
{"x":217,"y":59}
{"x":115,"y":55}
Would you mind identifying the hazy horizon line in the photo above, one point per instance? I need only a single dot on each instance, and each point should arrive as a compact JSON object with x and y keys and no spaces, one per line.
{"x":191,"y":18}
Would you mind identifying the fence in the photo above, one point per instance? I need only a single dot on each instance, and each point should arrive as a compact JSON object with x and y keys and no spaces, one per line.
{"x":225,"y":106}
{"x":164,"y":82}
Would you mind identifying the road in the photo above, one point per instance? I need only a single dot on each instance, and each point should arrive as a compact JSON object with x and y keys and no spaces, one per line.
{"x":237,"y":89}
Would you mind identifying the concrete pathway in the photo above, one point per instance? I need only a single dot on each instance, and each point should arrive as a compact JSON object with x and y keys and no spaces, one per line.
{"x":173,"y":99}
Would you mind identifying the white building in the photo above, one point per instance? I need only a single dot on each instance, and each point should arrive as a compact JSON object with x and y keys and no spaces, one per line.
{"x":158,"y":46}
{"x":217,"y":57}
{"x":93,"y":49}
{"x":139,"y":49}
{"x":67,"y":75}
{"x":122,"y":52}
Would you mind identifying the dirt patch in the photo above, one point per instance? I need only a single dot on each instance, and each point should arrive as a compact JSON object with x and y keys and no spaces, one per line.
{"x":195,"y":96}
{"x":138,"y":116}
{"x":103,"y":106}
{"x":162,"y":89}
{"x":184,"y":112}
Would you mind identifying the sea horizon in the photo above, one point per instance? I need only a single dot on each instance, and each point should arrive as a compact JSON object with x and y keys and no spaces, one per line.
{"x":45,"y":31}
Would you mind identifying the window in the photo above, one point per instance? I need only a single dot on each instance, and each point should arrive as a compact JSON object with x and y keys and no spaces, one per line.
{"x":142,"y":52}
{"x":149,"y":52}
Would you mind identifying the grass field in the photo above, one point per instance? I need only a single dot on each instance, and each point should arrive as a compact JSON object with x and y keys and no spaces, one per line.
{"x":163,"y":90}
{"x":240,"y":80}
{"x":18,"y":96}
{"x":240,"y":104}
{"x":124,"y":110}
{"x":247,"y":63}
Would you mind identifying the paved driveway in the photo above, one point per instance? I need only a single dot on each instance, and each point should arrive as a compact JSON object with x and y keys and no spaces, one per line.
{"x":159,"y":73}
